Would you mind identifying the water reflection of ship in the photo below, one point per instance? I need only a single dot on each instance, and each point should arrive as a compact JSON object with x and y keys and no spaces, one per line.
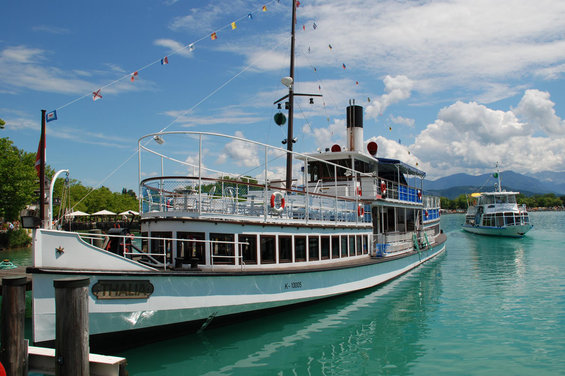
{"x":499,"y":261}
{"x":381,"y":328}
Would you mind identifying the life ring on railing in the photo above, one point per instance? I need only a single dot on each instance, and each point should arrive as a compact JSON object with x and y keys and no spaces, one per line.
{"x":277,"y":207}
{"x":360,"y":210}
{"x":419,"y":194}
{"x":383,"y":188}
{"x":359,"y":191}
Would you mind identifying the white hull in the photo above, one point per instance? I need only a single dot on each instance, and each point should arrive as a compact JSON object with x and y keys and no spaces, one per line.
{"x":189,"y":297}
{"x":508,"y":231}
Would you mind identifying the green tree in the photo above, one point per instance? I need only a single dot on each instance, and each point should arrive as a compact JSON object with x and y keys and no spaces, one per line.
{"x":17,"y":179}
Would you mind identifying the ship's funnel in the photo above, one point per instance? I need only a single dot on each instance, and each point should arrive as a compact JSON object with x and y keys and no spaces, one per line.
{"x":354,"y":127}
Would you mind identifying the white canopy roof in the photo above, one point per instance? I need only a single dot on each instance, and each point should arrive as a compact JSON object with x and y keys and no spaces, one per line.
{"x":104,"y":212}
{"x":77,"y":213}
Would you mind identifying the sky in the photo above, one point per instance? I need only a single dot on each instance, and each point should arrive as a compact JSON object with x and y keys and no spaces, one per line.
{"x":450,"y":86}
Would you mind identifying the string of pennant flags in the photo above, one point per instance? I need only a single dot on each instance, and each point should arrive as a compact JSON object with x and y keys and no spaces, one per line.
{"x":97,"y":94}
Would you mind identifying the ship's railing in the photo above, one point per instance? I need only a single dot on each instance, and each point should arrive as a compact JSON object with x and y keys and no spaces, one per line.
{"x":392,"y":190}
{"x":213,"y":196}
{"x":158,"y":251}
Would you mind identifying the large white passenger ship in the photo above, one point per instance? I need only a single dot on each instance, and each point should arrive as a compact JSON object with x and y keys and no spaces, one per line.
{"x":215,"y":243}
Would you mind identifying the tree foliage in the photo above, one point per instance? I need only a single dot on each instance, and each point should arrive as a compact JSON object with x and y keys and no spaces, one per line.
{"x":17,"y":179}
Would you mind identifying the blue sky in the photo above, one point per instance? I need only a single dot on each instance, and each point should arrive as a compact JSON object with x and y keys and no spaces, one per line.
{"x":454,"y":86}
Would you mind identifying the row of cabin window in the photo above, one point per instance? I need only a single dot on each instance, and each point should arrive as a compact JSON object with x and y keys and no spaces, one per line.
{"x":315,"y":247}
{"x":508,"y":219}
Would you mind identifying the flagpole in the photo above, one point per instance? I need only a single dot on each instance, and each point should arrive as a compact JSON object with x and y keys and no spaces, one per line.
{"x":42,"y":171}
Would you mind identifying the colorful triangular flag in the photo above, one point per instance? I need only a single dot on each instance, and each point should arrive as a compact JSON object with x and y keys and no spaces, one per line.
{"x":164,"y":60}
{"x":214,"y":36}
{"x":330,"y":46}
{"x":191,"y":47}
{"x":96,"y":95}
{"x":264,"y":8}
{"x":51,"y":116}
{"x":314,"y":26}
{"x":233,"y":26}
{"x":297,"y":3}
{"x":133,"y":76}
{"x":250,"y":16}
{"x":343,"y":66}
{"x":304,"y":27}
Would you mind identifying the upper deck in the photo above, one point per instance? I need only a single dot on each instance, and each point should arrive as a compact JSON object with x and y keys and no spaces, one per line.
{"x":185,"y":179}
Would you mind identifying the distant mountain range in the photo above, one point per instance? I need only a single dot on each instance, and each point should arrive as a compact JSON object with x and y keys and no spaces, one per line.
{"x":535,"y":183}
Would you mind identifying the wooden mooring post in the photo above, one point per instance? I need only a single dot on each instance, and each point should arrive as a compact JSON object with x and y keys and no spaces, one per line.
{"x":71,"y":326}
{"x":13,"y":353}
{"x":71,"y":355}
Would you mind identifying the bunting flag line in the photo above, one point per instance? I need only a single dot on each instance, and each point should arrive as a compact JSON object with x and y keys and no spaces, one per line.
{"x":343,"y":66}
{"x":164,"y":60}
{"x":96,"y":95}
{"x":330,"y":46}
{"x":314,"y":26}
{"x":51,"y":116}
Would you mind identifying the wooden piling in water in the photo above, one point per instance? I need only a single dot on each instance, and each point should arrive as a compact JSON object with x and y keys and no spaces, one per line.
{"x":13,"y":353}
{"x":71,"y":327}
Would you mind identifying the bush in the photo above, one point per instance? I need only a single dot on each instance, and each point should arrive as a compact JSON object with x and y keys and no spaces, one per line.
{"x":15,"y":238}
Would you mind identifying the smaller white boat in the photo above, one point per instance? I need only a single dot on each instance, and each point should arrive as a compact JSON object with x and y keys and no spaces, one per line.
{"x":496,"y":213}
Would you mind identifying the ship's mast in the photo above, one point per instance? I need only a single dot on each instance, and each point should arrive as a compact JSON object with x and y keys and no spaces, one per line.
{"x":290,"y":136}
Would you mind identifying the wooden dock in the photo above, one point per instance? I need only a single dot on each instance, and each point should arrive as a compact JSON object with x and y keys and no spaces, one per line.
{"x":19,"y":271}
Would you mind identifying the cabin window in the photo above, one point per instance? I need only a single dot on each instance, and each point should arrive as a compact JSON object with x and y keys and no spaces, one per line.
{"x":268,"y":249}
{"x":299,"y":248}
{"x":161,"y":245}
{"x":249,"y":251}
{"x":325,"y":247}
{"x":499,"y":220}
{"x":313,"y":248}
{"x":351,"y":245}
{"x":509,"y":219}
{"x":222,"y":252}
{"x":190,"y":249}
{"x":365,"y":244}
{"x":343,"y":245}
{"x":335,"y":246}
{"x":359,"y":244}
{"x":285,"y":249}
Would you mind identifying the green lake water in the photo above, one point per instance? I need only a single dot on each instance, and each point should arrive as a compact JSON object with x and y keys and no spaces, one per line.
{"x":488,"y":306}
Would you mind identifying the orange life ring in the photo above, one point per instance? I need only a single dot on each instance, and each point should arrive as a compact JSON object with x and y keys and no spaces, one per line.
{"x":419,"y":194}
{"x":359,"y":191}
{"x":360,"y":210}
{"x":274,"y":206}
{"x":383,"y":187}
